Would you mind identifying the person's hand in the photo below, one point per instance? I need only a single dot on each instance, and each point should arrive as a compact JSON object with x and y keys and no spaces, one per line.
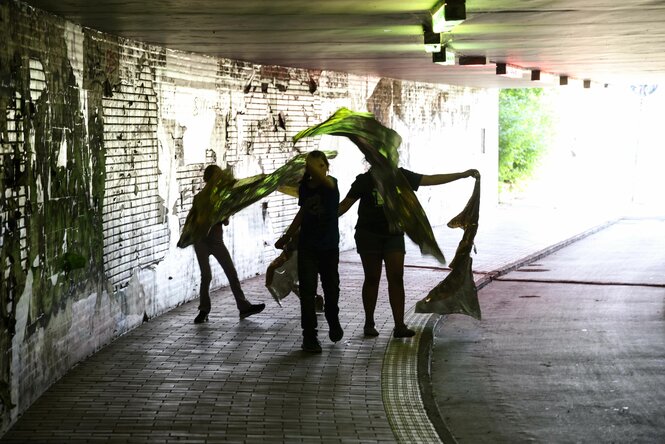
{"x":472,"y":173}
{"x":282,"y":241}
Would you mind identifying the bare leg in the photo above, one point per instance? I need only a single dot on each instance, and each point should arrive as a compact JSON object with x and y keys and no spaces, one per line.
{"x":395,"y":275}
{"x":372,"y":267}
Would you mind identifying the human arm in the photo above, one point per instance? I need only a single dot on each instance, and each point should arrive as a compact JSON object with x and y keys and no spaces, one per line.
{"x":440,"y":179}
{"x":345,"y":205}
{"x":290,"y":232}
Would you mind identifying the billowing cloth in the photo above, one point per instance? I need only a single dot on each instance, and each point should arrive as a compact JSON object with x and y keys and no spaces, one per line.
{"x":457,"y":293}
{"x":379,"y":145}
{"x":229,"y":195}
{"x":282,"y":273}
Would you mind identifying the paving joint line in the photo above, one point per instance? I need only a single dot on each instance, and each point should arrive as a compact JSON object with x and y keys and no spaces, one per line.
{"x":574,"y":282}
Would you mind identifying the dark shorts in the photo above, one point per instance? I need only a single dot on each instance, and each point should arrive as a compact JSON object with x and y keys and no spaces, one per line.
{"x":372,"y":243}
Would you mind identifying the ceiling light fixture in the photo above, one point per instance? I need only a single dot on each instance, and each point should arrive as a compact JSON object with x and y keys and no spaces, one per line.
{"x":506,"y":70}
{"x":563,"y":80}
{"x":432,"y":40}
{"x":448,"y":14}
{"x":444,"y":57}
{"x":472,"y":60}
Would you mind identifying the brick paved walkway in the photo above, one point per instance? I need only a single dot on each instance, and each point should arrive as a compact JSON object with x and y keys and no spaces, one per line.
{"x":248,"y":381}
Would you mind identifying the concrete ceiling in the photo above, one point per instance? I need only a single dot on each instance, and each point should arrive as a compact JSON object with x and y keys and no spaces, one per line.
{"x":605,"y":41}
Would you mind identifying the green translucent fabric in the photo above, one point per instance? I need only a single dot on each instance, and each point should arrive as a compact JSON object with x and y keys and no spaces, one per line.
{"x":379,"y":145}
{"x":228,"y":195}
{"x":457,"y":293}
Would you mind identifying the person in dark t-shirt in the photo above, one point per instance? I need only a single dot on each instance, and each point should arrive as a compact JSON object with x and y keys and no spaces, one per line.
{"x":376,"y":244}
{"x":318,"y":248}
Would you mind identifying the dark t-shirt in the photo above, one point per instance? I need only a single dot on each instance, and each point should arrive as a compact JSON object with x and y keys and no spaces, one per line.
{"x":319,"y":229}
{"x":371,"y":216}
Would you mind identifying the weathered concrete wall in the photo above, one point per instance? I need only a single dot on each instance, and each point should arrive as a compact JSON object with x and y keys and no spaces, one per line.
{"x":103,"y":145}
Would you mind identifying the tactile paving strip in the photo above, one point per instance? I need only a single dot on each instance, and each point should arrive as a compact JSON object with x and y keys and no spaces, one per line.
{"x":400,"y":390}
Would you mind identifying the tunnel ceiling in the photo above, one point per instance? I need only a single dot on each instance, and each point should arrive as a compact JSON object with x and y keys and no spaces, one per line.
{"x":605,"y":41}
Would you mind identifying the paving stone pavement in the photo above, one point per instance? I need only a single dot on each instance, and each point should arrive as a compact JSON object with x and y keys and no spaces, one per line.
{"x":232,"y":380}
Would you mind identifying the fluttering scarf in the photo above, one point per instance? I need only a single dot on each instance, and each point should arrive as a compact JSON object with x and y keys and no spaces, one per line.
{"x":457,"y":293}
{"x":228,"y":195}
{"x":379,"y":146}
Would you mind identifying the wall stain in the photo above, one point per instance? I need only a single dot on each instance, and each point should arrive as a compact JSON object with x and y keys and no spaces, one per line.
{"x":53,"y":226}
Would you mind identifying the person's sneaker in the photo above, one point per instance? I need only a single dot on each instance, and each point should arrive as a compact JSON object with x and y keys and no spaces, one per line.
{"x":319,"y":303}
{"x":336,"y":333}
{"x":252,"y":310}
{"x":403,"y":332}
{"x":369,"y":330}
{"x":311,"y":345}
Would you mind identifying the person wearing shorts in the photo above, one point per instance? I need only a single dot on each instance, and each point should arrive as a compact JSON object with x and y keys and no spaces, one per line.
{"x":377,"y":245}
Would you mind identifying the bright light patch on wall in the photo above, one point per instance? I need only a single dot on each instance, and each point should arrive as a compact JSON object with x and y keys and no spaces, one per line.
{"x":575,"y":83}
{"x":447,"y":15}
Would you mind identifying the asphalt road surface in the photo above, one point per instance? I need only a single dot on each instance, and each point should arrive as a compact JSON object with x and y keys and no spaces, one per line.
{"x":570,"y":349}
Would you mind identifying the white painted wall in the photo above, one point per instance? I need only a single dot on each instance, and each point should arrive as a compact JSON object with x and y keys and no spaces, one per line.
{"x":169,"y":115}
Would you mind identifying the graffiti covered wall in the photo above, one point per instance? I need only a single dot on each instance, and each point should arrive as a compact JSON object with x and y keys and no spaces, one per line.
{"x":103,"y":143}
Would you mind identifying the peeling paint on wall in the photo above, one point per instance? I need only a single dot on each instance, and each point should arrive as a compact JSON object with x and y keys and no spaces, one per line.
{"x":103,"y":143}
{"x":51,"y":228}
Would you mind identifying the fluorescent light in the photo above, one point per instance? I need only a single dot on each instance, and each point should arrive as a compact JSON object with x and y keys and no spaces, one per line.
{"x":444,"y":57}
{"x":432,"y":40}
{"x":506,"y":70}
{"x":448,"y":14}
{"x":472,"y":60}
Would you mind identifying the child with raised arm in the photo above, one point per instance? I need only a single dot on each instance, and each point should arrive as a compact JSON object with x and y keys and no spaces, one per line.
{"x":377,"y":245}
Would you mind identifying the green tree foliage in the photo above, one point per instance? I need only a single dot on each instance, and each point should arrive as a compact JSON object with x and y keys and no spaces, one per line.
{"x":525,"y":130}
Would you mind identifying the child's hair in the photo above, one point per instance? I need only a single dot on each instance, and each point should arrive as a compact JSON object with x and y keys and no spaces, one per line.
{"x":316,"y":154}
{"x":210,"y":172}
{"x":214,"y":172}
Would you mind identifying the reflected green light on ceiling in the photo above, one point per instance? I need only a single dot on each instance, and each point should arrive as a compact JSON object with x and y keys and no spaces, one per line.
{"x":400,"y":30}
{"x":369,"y":6}
{"x":467,"y":28}
{"x":383,"y":47}
{"x":472,"y":46}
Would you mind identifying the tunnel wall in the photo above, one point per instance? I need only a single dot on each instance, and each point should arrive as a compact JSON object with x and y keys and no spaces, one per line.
{"x":103,"y":145}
